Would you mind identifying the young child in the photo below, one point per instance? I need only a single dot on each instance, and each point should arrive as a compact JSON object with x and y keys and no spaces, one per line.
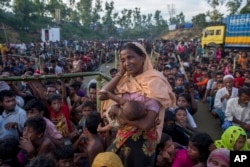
{"x":219,"y":157}
{"x":87,"y":108}
{"x":34,"y":142}
{"x":64,"y":156}
{"x":197,"y":152}
{"x":165,"y":151}
{"x":179,"y":84}
{"x":130,"y":109}
{"x":238,"y":80}
{"x":234,"y":138}
{"x":60,"y":114}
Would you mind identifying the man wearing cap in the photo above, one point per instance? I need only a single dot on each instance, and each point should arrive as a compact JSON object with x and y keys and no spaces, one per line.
{"x":223,"y":95}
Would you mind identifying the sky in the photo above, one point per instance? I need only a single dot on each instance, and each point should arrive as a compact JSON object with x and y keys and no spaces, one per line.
{"x":189,"y":8}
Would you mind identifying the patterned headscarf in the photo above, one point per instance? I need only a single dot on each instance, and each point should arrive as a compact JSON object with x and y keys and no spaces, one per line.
{"x":229,"y":138}
{"x":221,"y":154}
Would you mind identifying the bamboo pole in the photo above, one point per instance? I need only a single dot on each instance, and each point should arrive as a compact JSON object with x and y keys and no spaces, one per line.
{"x":52,"y":77}
{"x":116,"y":59}
{"x":98,"y":87}
{"x":182,"y":67}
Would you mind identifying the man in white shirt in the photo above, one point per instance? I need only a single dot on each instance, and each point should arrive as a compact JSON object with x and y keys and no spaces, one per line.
{"x":223,"y":95}
{"x":238,"y":110}
{"x":58,"y":69}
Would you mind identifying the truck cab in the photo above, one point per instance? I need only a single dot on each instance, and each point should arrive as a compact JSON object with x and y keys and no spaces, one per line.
{"x":213,"y":36}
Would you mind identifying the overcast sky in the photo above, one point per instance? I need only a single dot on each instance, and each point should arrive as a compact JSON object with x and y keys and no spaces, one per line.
{"x":190,"y":8}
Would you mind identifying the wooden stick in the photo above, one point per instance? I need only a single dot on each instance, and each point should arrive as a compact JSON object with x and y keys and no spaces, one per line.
{"x":51,"y":77}
{"x":181,"y":64}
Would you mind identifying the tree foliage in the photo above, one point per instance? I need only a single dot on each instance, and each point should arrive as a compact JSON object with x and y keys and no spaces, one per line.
{"x":233,"y":6}
{"x":199,"y":20}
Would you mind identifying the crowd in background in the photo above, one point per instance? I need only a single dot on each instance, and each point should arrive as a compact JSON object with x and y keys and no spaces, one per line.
{"x":57,"y":122}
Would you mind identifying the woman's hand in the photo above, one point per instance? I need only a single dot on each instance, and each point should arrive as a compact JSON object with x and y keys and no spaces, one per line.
{"x":103,"y":94}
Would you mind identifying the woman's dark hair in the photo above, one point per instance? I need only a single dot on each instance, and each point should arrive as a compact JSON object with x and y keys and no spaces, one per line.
{"x":37,"y":123}
{"x":186,"y":96}
{"x":64,"y":152}
{"x":42,"y":161}
{"x":133,"y":47}
{"x":202,"y":141}
{"x":92,"y":122}
{"x":53,"y":98}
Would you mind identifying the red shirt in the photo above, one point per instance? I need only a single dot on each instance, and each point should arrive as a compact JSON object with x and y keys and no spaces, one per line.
{"x":61,"y":119}
{"x":196,"y":76}
{"x":238,"y":82}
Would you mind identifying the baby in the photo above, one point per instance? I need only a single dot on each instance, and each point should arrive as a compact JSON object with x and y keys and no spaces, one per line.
{"x":131,"y":110}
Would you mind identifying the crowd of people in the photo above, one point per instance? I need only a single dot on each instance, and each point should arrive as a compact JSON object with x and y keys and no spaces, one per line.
{"x":147,"y":108}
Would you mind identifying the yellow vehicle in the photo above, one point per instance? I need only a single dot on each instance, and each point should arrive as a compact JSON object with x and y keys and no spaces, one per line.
{"x":233,"y":33}
{"x":213,"y":36}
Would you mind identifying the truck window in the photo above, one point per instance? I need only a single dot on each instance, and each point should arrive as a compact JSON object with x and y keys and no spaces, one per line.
{"x":218,"y":32}
{"x":211,"y":32}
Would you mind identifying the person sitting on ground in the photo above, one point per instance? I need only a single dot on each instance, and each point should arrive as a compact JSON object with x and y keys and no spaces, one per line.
{"x":131,"y":109}
{"x":34,"y":142}
{"x":36,"y":108}
{"x":64,"y":156}
{"x":238,"y":110}
{"x":219,"y":157}
{"x":234,"y":138}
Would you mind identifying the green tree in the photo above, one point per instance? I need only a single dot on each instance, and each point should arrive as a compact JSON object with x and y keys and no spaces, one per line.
{"x":137,"y":19}
{"x":246,"y":8}
{"x":108,"y":23}
{"x":85,"y":8}
{"x":215,"y":14}
{"x":199,"y":20}
{"x":233,"y":6}
{"x":23,"y":9}
{"x":4,"y":3}
{"x":96,"y":11}
{"x":40,"y":7}
{"x":181,"y":18}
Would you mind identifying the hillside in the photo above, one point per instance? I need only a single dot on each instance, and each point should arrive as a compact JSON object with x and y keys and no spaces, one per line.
{"x":192,"y":33}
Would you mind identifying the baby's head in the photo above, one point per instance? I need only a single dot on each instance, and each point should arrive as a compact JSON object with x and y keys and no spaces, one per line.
{"x":133,"y":110}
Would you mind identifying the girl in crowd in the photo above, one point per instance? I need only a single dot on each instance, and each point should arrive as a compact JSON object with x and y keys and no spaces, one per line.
{"x":165,"y":151}
{"x":136,"y":141}
{"x":234,"y":138}
{"x":219,"y":157}
{"x":185,"y":101}
{"x":196,"y":154}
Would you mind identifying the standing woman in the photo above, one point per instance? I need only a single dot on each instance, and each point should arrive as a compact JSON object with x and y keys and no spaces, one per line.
{"x":136,"y":141}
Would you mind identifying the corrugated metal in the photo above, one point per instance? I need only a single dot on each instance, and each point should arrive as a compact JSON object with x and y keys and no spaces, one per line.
{"x":238,"y":31}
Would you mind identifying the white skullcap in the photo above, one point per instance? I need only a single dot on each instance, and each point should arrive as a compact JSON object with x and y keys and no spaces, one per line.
{"x":228,"y":76}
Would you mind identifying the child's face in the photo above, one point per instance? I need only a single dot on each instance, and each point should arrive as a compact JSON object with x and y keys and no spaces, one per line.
{"x":86,"y":111}
{"x":237,"y":74}
{"x":198,"y":71}
{"x":169,"y":147}
{"x":166,"y":72}
{"x":179,"y":82}
{"x":65,"y":162}
{"x":182,"y":102}
{"x":33,"y":112}
{"x":181,"y":117}
{"x":220,"y":85}
{"x":30,"y":133}
{"x":56,"y":105}
{"x":239,"y":143}
{"x":193,"y":152}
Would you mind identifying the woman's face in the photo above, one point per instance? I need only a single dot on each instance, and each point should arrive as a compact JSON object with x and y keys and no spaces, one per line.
{"x":169,"y":147}
{"x":217,"y":162}
{"x":239,"y":143}
{"x":182,"y":102}
{"x":132,"y":62}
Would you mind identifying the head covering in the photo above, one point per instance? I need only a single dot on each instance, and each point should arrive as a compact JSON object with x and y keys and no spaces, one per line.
{"x":229,"y":138}
{"x":228,"y":76}
{"x":221,"y":153}
{"x":107,"y":159}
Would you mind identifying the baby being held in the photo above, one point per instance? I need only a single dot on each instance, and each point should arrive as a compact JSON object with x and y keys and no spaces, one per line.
{"x":131,"y":110}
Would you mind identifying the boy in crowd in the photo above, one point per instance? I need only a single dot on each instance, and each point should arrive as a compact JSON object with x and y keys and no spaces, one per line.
{"x":35,"y":108}
{"x":13,"y":117}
